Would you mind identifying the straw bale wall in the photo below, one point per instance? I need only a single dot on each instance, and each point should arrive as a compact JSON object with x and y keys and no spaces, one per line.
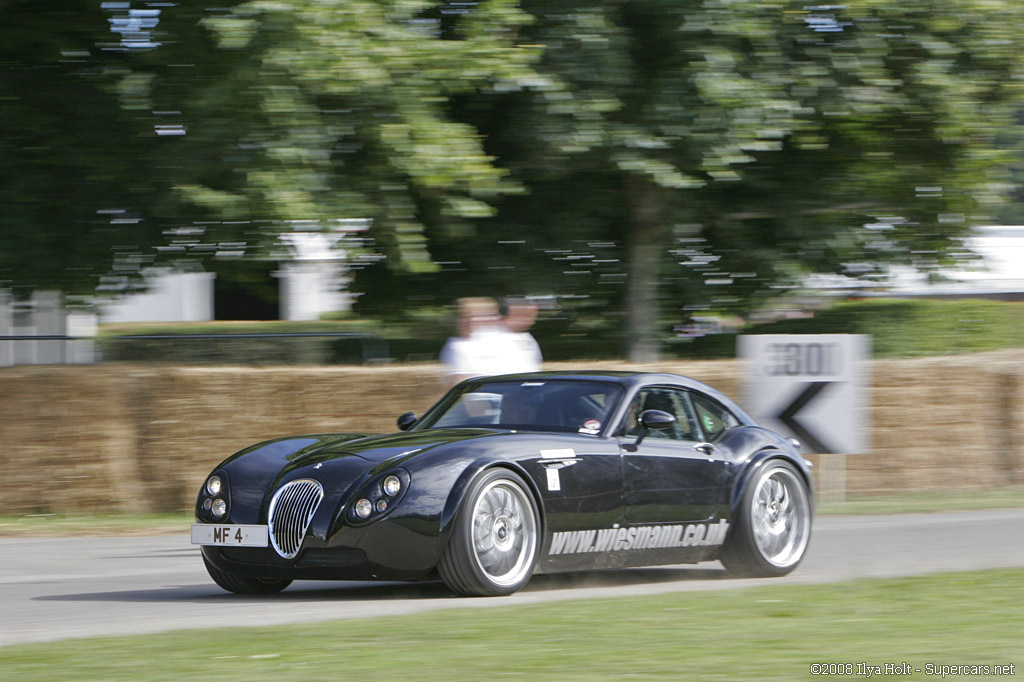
{"x":141,"y":438}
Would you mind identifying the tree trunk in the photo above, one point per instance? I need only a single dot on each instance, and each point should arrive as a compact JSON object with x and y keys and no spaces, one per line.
{"x":644,"y":246}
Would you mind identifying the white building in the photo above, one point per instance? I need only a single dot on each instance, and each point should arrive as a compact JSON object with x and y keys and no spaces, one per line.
{"x":313,"y":280}
{"x":39,"y":331}
{"x":998,"y":274}
{"x":314,"y":277}
{"x":171,"y":296}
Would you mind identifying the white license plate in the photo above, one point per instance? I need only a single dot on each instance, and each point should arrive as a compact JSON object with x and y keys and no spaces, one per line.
{"x":229,"y":535}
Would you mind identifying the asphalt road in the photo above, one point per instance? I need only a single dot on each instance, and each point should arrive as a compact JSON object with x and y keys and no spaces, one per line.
{"x":62,"y":588}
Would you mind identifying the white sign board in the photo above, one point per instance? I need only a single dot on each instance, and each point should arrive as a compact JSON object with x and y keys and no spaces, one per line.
{"x":810,"y":386}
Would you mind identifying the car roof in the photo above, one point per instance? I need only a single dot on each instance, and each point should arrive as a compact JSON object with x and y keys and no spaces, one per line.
{"x":628,"y":379}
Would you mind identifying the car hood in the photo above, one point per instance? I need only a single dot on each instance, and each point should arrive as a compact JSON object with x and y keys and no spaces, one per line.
{"x":390,"y":446}
{"x":264,"y":466}
{"x":299,"y":451}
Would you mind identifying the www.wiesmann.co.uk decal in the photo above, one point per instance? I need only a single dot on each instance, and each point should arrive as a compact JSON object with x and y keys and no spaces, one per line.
{"x":618,"y":539}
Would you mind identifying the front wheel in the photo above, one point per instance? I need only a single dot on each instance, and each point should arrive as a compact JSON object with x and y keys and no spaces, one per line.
{"x":242,"y":584}
{"x":773,"y":524}
{"x":495,"y":539}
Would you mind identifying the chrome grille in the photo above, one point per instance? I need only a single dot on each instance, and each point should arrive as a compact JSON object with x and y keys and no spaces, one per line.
{"x":291,"y":510}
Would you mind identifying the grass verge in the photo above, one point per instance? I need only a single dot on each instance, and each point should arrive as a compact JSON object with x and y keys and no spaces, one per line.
{"x":927,"y":501}
{"x":52,"y":525}
{"x":769,"y":632}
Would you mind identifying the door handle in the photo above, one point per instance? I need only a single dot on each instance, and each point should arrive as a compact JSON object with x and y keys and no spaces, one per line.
{"x":706,"y":448}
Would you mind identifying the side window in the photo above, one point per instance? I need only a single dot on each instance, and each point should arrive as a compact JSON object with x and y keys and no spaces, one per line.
{"x":714,"y":419}
{"x":668,"y":400}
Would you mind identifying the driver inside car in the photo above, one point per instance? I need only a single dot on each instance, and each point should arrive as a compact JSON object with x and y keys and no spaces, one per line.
{"x":519,"y":408}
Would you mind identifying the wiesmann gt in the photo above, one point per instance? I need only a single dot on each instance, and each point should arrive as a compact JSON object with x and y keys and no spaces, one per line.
{"x":509,"y":476}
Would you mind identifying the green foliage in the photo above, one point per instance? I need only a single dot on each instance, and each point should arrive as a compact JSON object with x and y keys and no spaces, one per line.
{"x":70,"y":184}
{"x":256,"y":343}
{"x":349,"y":114}
{"x":899,"y":328}
{"x":212,"y":129}
{"x":634,"y":162}
{"x":710,"y":154}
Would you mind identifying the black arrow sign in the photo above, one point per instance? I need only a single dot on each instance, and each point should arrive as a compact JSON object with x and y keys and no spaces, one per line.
{"x":788,"y":416}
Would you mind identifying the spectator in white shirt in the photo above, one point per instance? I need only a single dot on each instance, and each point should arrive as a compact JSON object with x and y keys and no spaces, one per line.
{"x":488,"y":343}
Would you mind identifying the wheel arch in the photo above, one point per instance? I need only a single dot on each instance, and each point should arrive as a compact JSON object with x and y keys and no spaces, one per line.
{"x":465,"y":481}
{"x":753,"y":466}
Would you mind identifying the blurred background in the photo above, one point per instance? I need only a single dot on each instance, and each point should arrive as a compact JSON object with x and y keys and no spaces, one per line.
{"x":222,"y":222}
{"x":654,"y":175}
{"x":317,"y":182}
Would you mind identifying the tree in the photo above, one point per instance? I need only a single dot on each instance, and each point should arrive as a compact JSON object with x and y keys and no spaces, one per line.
{"x":69,"y":183}
{"x":312,"y":112}
{"x":108,"y":111}
{"x":637,"y":159}
{"x":755,"y":142}
{"x":344,"y":114}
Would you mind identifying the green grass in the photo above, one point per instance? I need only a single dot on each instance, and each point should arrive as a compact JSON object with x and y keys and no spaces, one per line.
{"x":927,"y":501}
{"x":163,"y":524}
{"x":769,"y":632}
{"x":52,"y":525}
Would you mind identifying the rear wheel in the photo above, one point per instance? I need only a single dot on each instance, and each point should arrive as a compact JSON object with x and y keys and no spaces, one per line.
{"x":495,"y":538}
{"x":244,"y":584}
{"x":773,"y":524}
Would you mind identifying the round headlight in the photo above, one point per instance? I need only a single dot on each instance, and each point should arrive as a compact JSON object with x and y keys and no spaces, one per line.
{"x":207,"y":504}
{"x":381,"y":506}
{"x":220,"y":507}
{"x":213,"y":485}
{"x":391,"y":486}
{"x":363,"y":508}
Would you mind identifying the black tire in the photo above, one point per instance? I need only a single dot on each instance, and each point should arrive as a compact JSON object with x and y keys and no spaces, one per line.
{"x":495,"y":538}
{"x":772,"y":528}
{"x":242,"y":584}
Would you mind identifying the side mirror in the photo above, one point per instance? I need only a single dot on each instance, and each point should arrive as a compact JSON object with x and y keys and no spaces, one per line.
{"x":406,"y":421}
{"x":651,"y":420}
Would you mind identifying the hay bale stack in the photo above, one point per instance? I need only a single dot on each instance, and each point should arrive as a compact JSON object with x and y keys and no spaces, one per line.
{"x":127,"y":438}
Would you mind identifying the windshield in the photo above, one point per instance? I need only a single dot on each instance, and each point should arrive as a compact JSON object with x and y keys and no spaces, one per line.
{"x":555,"y":405}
